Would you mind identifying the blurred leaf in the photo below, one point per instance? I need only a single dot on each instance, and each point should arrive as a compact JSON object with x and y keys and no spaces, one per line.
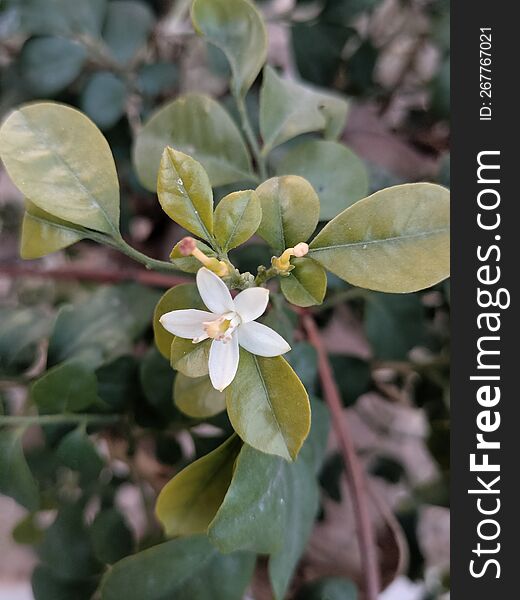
{"x":200,"y":127}
{"x":237,"y":28}
{"x":440,"y":92}
{"x":77,"y":452}
{"x":49,"y":64}
{"x":27,"y":532}
{"x":339,"y":11}
{"x":237,"y":218}
{"x":66,"y":388}
{"x":352,"y":375}
{"x":189,"y":264}
{"x":328,"y":588}
{"x":46,"y":585}
{"x":43,"y":233}
{"x":111,"y":537}
{"x":16,"y":480}
{"x":62,"y":16}
{"x":335,"y":172}
{"x":117,"y":383}
{"x":22,"y":329}
{"x":396,"y":240}
{"x":177,"y":298}
{"x":289,"y":108}
{"x":127,"y":26}
{"x":394,"y":324}
{"x":157,"y":78}
{"x":185,"y":192}
{"x":189,"y":501}
{"x":271,"y":417}
{"x":156,"y":378}
{"x":361,"y":65}
{"x":72,"y":171}
{"x":304,"y":360}
{"x":196,"y":397}
{"x":103,"y":98}
{"x":306,"y":284}
{"x":184,"y":569}
{"x":190,"y":359}
{"x":290,"y":211}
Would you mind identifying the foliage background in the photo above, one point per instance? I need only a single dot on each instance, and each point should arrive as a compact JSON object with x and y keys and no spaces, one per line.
{"x":390,"y":353}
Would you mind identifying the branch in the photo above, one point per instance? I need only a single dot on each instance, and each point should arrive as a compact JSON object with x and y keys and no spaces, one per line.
{"x":365,"y":532}
{"x":141,"y":276}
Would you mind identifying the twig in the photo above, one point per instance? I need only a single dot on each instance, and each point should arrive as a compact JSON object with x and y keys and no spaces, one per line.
{"x":150,"y":278}
{"x":365,"y":532}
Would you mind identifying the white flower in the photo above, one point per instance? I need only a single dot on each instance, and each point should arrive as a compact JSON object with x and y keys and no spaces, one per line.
{"x":230,"y":323}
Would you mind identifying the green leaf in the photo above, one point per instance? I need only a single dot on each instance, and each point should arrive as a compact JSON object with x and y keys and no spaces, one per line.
{"x":237,"y":218}
{"x":16,"y":480}
{"x":189,"y":501}
{"x":185,"y":192}
{"x":49,"y":64}
{"x":190,"y":359}
{"x":118,"y":383}
{"x":268,"y":405}
{"x":126,"y":29}
{"x":47,"y":585}
{"x":66,"y":388}
{"x":189,"y":264}
{"x":290,"y":211}
{"x":62,"y":16}
{"x":103,"y":99}
{"x":20,"y":333}
{"x":396,"y":240}
{"x":43,"y":233}
{"x":156,"y":377}
{"x":157,"y":78}
{"x":306,"y":284}
{"x":196,"y":397}
{"x":335,"y":172}
{"x":328,"y":588}
{"x":184,"y":569}
{"x":111,"y":537}
{"x":303,"y":358}
{"x":199,"y":127}
{"x":27,"y":532}
{"x":237,"y":28}
{"x":103,"y":326}
{"x":77,"y":452}
{"x":289,"y":108}
{"x":177,"y":298}
{"x":60,"y":160}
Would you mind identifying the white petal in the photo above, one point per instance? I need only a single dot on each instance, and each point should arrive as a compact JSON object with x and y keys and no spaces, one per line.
{"x":251,"y":303}
{"x":223,"y":362}
{"x":186,"y":323}
{"x":261,"y":340}
{"x":214,"y":292}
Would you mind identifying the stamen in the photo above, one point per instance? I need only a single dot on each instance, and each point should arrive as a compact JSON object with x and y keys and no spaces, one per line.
{"x":188,"y":246}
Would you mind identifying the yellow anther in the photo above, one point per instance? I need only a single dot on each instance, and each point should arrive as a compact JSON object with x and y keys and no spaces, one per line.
{"x":283,"y":263}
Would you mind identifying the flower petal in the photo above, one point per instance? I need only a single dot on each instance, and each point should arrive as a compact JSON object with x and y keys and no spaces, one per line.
{"x":261,"y":340}
{"x":186,"y":323}
{"x":214,"y":292}
{"x":251,"y":303}
{"x":223,"y":362}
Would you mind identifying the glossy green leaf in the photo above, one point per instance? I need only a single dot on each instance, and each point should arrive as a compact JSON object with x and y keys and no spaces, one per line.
{"x":185,"y":192}
{"x":59,"y":159}
{"x":62,"y":16}
{"x":127,"y":26}
{"x":77,"y":452}
{"x":184,"y":569}
{"x":268,"y":405}
{"x":16,"y":480}
{"x":190,"y":359}
{"x":43,"y":233}
{"x":22,"y":329}
{"x":335,"y":172}
{"x":306,"y":284}
{"x":103,"y":99}
{"x":196,"y":397}
{"x":328,"y":588}
{"x":237,"y":28}
{"x":177,"y":298}
{"x":189,"y":501}
{"x":303,"y":359}
{"x":66,"y":388}
{"x":47,"y":585}
{"x":189,"y":264}
{"x":237,"y":218}
{"x":49,"y":64}
{"x":396,"y":240}
{"x":199,"y":127}
{"x":103,"y":326}
{"x":111,"y":536}
{"x":289,"y":108}
{"x":290,"y":211}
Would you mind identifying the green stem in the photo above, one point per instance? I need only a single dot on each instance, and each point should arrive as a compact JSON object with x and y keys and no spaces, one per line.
{"x":57,"y":419}
{"x":251,"y":138}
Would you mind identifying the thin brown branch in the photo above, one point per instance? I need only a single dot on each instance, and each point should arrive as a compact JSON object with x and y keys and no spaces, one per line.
{"x":74,"y":273}
{"x":358,"y":484}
